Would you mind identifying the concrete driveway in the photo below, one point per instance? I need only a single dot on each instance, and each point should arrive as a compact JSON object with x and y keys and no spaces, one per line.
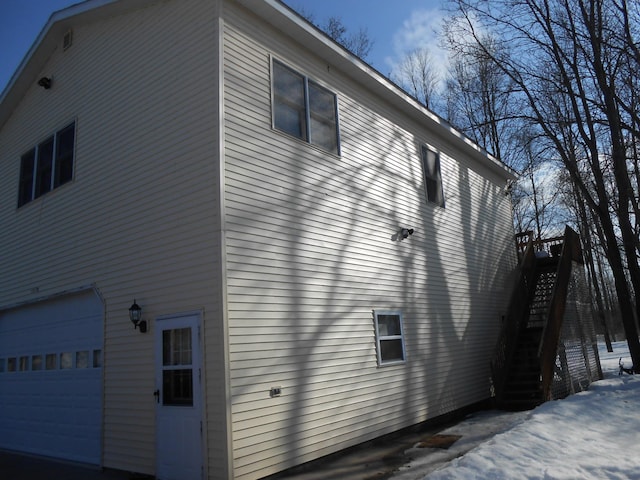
{"x":16,"y":466}
{"x":407,"y":455}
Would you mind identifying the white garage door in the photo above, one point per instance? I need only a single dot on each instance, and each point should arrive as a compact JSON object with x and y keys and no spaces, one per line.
{"x":51,"y":378}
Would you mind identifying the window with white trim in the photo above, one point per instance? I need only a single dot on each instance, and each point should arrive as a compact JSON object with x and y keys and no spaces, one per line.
{"x":47,"y":166}
{"x":389,"y":337}
{"x":304,"y":109}
{"x":432,"y":176}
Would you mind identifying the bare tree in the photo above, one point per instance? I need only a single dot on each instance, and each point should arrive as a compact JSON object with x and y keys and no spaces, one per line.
{"x":484,"y":102}
{"x":574,"y":201}
{"x":481,"y":100}
{"x":566,"y":62}
{"x":418,"y":75}
{"x":359,"y":43}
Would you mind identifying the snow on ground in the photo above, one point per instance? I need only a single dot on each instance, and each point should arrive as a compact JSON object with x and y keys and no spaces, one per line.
{"x":592,"y":435}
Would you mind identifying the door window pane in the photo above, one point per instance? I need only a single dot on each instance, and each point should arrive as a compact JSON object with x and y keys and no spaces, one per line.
{"x":176,"y":347}
{"x":177,"y":386}
{"x":177,"y":381}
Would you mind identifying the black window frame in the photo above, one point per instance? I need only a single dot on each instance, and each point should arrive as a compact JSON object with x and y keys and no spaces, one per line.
{"x":48,"y":165}
{"x":432,"y":176}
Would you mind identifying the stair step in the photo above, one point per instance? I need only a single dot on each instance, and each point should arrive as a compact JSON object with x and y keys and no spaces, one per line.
{"x":534,"y":395}
{"x":519,"y":405}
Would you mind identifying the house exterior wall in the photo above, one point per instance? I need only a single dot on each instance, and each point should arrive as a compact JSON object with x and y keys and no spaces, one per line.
{"x":284,"y":249}
{"x":310,"y":255}
{"x":141,"y":217}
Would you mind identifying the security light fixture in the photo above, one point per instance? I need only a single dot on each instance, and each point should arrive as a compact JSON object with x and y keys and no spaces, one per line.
{"x":405,"y":232}
{"x":135,"y":315}
{"x":508,"y":188}
{"x":45,"y":82}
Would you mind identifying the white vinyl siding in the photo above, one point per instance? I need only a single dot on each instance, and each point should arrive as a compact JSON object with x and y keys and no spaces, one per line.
{"x":141,"y":219}
{"x":302,"y":257}
{"x":310,"y":255}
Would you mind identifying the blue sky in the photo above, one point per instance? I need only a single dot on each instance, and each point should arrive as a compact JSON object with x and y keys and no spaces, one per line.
{"x":395,"y":26}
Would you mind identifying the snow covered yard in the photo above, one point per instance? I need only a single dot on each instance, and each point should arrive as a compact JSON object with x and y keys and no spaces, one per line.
{"x":591,"y":435}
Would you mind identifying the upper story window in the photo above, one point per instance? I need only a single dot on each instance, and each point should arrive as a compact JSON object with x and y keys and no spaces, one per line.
{"x":304,"y":109}
{"x":389,"y":337}
{"x":47,"y":166}
{"x":432,"y":177}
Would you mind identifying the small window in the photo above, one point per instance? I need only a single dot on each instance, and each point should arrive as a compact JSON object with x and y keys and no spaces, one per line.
{"x":389,"y":337}
{"x":11,"y":364}
{"x":47,"y":166}
{"x":51,"y":361}
{"x":1,"y":365}
{"x":24,"y":363}
{"x":82,"y":359}
{"x":36,"y":362}
{"x":97,"y":358}
{"x":432,"y":177}
{"x":66,"y":360}
{"x":304,"y":109}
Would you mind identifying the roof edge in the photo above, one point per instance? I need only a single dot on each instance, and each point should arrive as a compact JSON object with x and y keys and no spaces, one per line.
{"x":55,"y":17}
{"x":381,"y":84}
{"x":43,"y":46}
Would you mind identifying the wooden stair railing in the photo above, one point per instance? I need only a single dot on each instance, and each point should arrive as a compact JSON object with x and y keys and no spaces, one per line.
{"x":515,"y":320}
{"x":547,"y":352}
{"x":519,"y":328}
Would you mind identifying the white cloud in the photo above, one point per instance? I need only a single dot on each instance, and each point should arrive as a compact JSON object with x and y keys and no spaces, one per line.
{"x":418,"y":31}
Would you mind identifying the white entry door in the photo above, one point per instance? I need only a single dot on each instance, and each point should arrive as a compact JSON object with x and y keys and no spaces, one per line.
{"x":178,"y":399}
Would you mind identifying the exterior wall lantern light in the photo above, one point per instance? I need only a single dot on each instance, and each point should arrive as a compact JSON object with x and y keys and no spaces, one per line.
{"x":135,"y":315}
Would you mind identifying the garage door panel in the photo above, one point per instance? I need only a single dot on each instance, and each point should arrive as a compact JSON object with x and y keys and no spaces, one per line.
{"x":51,"y":378}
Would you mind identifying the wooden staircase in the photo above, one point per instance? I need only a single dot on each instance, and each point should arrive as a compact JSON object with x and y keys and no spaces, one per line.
{"x":526,"y":352}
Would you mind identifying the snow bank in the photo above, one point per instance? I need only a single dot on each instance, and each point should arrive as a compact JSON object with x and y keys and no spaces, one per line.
{"x":591,"y":435}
